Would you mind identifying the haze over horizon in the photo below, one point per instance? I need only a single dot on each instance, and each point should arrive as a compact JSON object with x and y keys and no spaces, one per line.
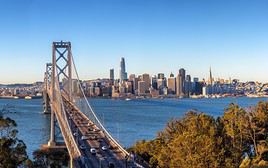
{"x":153,"y":36}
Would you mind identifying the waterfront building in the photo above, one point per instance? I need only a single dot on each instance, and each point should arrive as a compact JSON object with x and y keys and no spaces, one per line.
{"x":115,"y":91}
{"x":204,"y":90}
{"x":171,"y":84}
{"x":106,"y":91}
{"x":207,"y":90}
{"x":154,"y":92}
{"x":141,"y":88}
{"x":146,"y":78}
{"x":91,"y":91}
{"x":123,"y":73}
{"x":111,"y":74}
{"x":97,"y":91}
{"x":164,"y":91}
{"x":122,"y":89}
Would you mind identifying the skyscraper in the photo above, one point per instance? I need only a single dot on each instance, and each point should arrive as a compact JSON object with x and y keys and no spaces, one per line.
{"x":188,"y":85}
{"x":146,"y":78}
{"x":141,"y":88}
{"x":171,"y":84}
{"x":154,"y":82}
{"x":180,"y":82}
{"x":123,"y":73}
{"x":111,"y":74}
{"x":132,"y":78}
{"x":160,"y":76}
{"x":210,"y":77}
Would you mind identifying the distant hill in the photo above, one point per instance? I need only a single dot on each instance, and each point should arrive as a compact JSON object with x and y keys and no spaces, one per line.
{"x":15,"y":85}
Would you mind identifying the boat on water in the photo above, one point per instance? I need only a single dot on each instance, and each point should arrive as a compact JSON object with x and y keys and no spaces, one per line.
{"x":27,"y":97}
{"x":16,"y":97}
{"x":127,"y":99}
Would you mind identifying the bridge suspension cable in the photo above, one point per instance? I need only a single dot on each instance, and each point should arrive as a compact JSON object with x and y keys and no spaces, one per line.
{"x":82,"y":102}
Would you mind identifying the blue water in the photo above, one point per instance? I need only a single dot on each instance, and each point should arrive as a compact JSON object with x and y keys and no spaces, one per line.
{"x":134,"y":120}
{"x":33,"y":125}
{"x":127,"y":121}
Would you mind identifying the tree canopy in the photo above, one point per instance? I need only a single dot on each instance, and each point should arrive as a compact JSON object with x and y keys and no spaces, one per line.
{"x":12,"y":150}
{"x":236,"y":139}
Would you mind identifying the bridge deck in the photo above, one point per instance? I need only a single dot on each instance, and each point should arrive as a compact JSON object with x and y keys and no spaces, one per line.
{"x":93,"y":137}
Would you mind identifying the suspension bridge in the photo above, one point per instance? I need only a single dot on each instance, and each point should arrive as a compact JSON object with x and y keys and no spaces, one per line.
{"x":88,"y":142}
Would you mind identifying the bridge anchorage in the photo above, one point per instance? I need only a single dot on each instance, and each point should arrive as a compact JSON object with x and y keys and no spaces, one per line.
{"x":88,"y":142}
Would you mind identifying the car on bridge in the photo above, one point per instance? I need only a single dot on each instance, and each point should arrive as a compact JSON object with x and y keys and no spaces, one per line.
{"x":84,"y":138}
{"x":93,"y":151}
{"x":104,"y":148}
{"x":83,"y":147}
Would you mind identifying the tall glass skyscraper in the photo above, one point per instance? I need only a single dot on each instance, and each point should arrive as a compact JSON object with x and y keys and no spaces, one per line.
{"x":123,"y":73}
{"x":111,"y":74}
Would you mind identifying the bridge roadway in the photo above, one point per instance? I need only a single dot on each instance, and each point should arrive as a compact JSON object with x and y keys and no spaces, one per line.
{"x":81,"y":126}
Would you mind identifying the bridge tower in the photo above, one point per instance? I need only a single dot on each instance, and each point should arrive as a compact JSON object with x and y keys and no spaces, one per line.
{"x":47,"y":81}
{"x":62,"y":73}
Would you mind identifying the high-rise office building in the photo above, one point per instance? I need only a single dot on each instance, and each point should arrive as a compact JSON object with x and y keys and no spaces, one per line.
{"x":123,"y":73}
{"x":111,"y":74}
{"x":129,"y":87}
{"x":146,"y":78}
{"x":180,"y":82}
{"x":182,"y":72}
{"x":160,"y":76}
{"x":131,"y":77}
{"x":196,"y":87}
{"x":154,"y":82}
{"x":196,"y":79}
{"x":171,"y":84}
{"x":210,"y":77}
{"x":161,"y":83}
{"x":141,"y":87}
{"x":188,"y":85}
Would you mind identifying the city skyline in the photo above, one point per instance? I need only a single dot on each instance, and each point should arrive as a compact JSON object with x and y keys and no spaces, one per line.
{"x":153,"y":37}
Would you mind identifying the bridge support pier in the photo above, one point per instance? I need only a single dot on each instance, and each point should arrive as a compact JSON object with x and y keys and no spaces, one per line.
{"x":47,"y":109}
{"x":52,"y":141}
{"x":47,"y":82}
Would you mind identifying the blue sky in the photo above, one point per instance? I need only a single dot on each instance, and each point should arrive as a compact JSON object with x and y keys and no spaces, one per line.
{"x":154,"y":36}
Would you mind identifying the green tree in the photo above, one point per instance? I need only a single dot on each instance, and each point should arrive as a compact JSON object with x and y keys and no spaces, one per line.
{"x":192,"y":141}
{"x":236,"y":139}
{"x":195,"y":144}
{"x":12,"y":150}
{"x":50,"y":158}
